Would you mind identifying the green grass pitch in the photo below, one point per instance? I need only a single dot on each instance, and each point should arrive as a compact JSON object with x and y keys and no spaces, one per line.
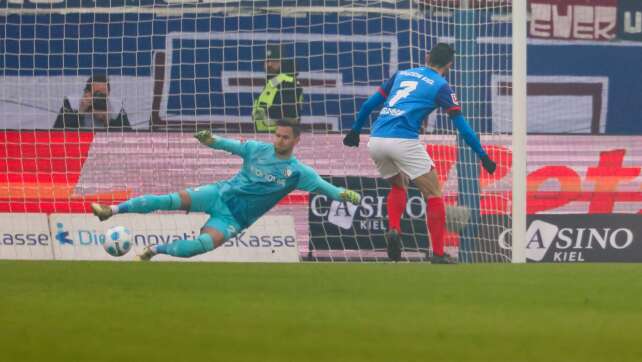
{"x":101,"y":311}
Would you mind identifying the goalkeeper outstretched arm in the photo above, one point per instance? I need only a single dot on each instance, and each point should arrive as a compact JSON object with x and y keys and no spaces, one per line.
{"x":337,"y":193}
{"x":235,"y":147}
{"x":312,"y":182}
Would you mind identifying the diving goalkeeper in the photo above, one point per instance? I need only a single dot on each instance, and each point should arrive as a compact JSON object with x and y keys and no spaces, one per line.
{"x":269,"y":172}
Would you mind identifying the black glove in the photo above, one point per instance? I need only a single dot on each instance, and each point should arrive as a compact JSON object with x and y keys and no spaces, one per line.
{"x":351,"y":139}
{"x":488,"y":164}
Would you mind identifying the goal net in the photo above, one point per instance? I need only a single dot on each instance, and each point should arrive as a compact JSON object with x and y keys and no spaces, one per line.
{"x":173,"y":67}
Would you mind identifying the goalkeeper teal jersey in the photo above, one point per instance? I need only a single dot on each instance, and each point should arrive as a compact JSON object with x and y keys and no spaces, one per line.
{"x":264,"y":180}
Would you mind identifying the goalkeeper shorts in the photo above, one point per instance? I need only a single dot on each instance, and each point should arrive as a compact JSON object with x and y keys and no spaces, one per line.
{"x":395,"y":155}
{"x":207,"y":199}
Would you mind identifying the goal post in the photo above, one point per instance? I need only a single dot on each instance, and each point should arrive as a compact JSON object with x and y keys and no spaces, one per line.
{"x":471,"y":22}
{"x":520,"y":112}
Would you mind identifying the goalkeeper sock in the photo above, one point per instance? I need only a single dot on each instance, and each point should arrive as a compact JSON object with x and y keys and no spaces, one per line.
{"x":148,"y":203}
{"x":436,"y":221}
{"x":396,"y":203}
{"x":187,"y":248}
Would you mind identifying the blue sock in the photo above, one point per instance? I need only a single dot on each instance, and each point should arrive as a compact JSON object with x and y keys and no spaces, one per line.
{"x":148,"y":203}
{"x":187,"y":248}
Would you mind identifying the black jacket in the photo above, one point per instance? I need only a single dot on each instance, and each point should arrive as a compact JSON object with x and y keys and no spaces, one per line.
{"x":69,"y":118}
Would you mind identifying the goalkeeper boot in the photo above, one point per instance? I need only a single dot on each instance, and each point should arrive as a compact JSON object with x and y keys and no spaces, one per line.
{"x":443,"y":259}
{"x":147,"y":254}
{"x":394,"y":245}
{"x":103,"y":212}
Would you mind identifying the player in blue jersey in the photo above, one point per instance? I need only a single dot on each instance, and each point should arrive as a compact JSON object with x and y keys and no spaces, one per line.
{"x":269,"y":172}
{"x":394,"y":146}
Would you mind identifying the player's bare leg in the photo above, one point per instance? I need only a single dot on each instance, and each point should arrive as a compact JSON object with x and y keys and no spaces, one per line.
{"x":150,"y":250}
{"x":395,"y":204}
{"x":430,"y":188}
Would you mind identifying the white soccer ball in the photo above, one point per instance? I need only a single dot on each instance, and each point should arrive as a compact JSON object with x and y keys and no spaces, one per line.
{"x":118,"y":241}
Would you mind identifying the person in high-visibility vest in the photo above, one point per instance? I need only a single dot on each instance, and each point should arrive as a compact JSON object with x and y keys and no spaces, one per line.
{"x":281,"y":98}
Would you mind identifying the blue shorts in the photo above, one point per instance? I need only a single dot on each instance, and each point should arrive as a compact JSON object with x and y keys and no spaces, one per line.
{"x":207,"y":199}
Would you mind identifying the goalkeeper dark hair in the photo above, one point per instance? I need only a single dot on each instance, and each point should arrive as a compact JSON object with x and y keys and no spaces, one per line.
{"x":296,"y":129}
{"x":441,"y":54}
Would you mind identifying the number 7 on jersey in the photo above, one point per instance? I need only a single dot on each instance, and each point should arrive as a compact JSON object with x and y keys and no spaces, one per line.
{"x":406,"y":87}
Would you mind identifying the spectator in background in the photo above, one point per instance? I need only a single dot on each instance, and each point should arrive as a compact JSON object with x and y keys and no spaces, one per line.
{"x":282,"y":96}
{"x":93,"y":110}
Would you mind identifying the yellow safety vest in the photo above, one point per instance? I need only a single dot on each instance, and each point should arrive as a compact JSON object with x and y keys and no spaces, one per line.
{"x":260,"y":115}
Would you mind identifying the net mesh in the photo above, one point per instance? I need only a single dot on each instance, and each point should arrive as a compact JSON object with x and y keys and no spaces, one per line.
{"x":176,"y":67}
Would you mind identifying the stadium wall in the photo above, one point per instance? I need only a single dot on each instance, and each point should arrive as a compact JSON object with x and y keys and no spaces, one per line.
{"x":572,"y":86}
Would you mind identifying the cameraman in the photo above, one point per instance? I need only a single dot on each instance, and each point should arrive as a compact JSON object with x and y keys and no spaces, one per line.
{"x":94,"y":111}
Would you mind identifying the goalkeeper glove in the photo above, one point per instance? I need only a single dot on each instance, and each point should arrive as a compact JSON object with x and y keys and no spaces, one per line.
{"x":488,"y":164}
{"x":351,"y":196}
{"x":205,"y":137}
{"x":351,"y":139}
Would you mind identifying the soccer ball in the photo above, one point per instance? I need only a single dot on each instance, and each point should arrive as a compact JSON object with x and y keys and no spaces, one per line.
{"x":118,"y":241}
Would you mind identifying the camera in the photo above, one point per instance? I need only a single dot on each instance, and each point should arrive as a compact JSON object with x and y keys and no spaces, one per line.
{"x":99,"y":102}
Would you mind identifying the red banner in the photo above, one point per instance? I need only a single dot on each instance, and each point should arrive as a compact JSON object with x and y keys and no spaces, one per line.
{"x":594,"y":182}
{"x":40,"y":171}
{"x":573,"y":19}
{"x":64,"y":171}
